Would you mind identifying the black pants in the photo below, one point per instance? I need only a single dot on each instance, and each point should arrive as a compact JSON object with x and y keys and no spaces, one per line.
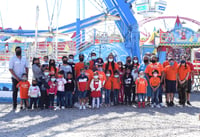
{"x":51,"y":99}
{"x":15,"y":91}
{"x":182,"y":89}
{"x":133,"y":94}
{"x":127,"y":92}
{"x":44,"y":100}
{"x":33,"y":101}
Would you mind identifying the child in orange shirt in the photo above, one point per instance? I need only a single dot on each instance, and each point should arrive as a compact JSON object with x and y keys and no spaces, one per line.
{"x":95,"y":86}
{"x":108,"y":87}
{"x":116,"y":87}
{"x":141,"y":89}
{"x":155,"y":83}
{"x":24,"y":87}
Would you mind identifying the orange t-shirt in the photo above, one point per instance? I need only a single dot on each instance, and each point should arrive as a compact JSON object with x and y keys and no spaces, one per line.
{"x":141,"y":84}
{"x":52,"y":71}
{"x":154,"y":66}
{"x":108,"y":83}
{"x":110,"y":67}
{"x":171,"y":72}
{"x":182,"y":71}
{"x":78,"y":66}
{"x":24,"y":87}
{"x":116,"y":83}
{"x":166,"y":63}
{"x":91,"y":64}
{"x":154,"y":81}
{"x":89,"y":73}
{"x":102,"y":76}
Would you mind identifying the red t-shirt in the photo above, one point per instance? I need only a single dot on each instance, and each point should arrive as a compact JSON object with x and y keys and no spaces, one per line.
{"x":24,"y":87}
{"x":191,"y":69}
{"x":78,"y":67}
{"x":89,"y":73}
{"x":82,"y":82}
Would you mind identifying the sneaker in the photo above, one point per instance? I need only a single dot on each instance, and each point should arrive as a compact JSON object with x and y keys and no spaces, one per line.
{"x":21,"y":108}
{"x":152,"y":105}
{"x":162,"y":105}
{"x":168,"y":104}
{"x":80,"y":107}
{"x":171,"y":103}
{"x":62,"y":107}
{"x":158,"y":106}
{"x":188,"y":102}
{"x":57,"y":108}
{"x":84,"y":107}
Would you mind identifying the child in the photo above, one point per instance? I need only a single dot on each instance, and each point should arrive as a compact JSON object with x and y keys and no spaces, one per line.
{"x":134,"y":73}
{"x":82,"y":85}
{"x":52,"y":91}
{"x":108,"y":87}
{"x":155,"y":83}
{"x":141,"y":89}
{"x":127,"y":82}
{"x":24,"y":87}
{"x":34,"y":94}
{"x":116,"y":87}
{"x":121,"y":74}
{"x":44,"y":100}
{"x":69,"y":90}
{"x":95,"y":86}
{"x":60,"y":91}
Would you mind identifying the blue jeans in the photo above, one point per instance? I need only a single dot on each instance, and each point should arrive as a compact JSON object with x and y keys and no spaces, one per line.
{"x":160,"y":90}
{"x":116,"y":96}
{"x":60,"y":98}
{"x":141,"y":97}
{"x":51,"y":99}
{"x":155,"y":96}
{"x":68,"y":98}
{"x":107,"y":96}
{"x":101,"y":98}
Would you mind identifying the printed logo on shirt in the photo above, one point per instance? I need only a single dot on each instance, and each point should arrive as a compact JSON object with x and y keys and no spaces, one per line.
{"x":83,"y":80}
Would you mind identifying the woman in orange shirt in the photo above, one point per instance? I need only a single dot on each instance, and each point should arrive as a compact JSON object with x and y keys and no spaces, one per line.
{"x":108,"y":87}
{"x":155,"y":83}
{"x":183,"y":75}
{"x":52,"y":67}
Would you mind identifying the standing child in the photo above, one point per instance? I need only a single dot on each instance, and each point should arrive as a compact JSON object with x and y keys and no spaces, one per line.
{"x":24,"y":87}
{"x":34,"y":94}
{"x":82,"y":85}
{"x":127,"y":83}
{"x":108,"y":87}
{"x":96,"y":86}
{"x":69,"y":90}
{"x":141,"y":89}
{"x":155,"y":83}
{"x":52,"y":91}
{"x":116,"y":87}
{"x":134,"y":73}
{"x":60,"y":91}
{"x":121,"y":74}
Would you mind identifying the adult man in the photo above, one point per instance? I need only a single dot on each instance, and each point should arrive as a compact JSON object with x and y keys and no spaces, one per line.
{"x":17,"y":66}
{"x":65,"y":66}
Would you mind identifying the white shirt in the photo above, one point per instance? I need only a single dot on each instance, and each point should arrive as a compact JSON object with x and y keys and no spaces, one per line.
{"x":34,"y":92}
{"x":18,"y":65}
{"x":61,"y":84}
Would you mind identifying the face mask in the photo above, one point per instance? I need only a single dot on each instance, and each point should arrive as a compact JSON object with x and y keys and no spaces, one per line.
{"x":82,"y":73}
{"x":116,"y":76}
{"x":108,"y":75}
{"x":64,"y":61}
{"x":46,"y":73}
{"x":171,"y":63}
{"x":34,"y":84}
{"x":153,"y":61}
{"x":155,"y":75}
{"x":18,"y":53}
{"x":70,"y":60}
{"x":53,"y":79}
{"x":110,"y":60}
{"x":100,"y":69}
{"x":141,"y":76}
{"x":135,"y":61}
{"x":129,"y":61}
{"x":52,"y":64}
{"x":146,"y":61}
{"x":81,"y":59}
{"x":96,"y":77}
{"x":93,"y":57}
{"x":182,"y":61}
{"x":60,"y":76}
{"x":24,"y":78}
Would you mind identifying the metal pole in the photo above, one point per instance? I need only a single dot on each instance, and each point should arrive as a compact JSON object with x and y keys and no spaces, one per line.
{"x":83,"y":17}
{"x":56,"y":48}
{"x":36,"y":32}
{"x":77,"y":25}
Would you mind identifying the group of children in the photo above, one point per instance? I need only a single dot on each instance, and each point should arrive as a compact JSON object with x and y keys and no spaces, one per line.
{"x":94,"y":84}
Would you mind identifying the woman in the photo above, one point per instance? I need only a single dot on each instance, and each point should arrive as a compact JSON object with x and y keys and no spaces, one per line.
{"x":136,"y":62}
{"x":110,"y":64}
{"x":128,"y":63}
{"x":52,"y":67}
{"x":37,"y":72}
{"x":183,"y":75}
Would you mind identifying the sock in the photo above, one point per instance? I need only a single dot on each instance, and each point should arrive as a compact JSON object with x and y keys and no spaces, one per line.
{"x":98,"y":102}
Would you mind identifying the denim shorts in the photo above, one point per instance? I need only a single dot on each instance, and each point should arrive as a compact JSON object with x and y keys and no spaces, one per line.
{"x":82,"y":94}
